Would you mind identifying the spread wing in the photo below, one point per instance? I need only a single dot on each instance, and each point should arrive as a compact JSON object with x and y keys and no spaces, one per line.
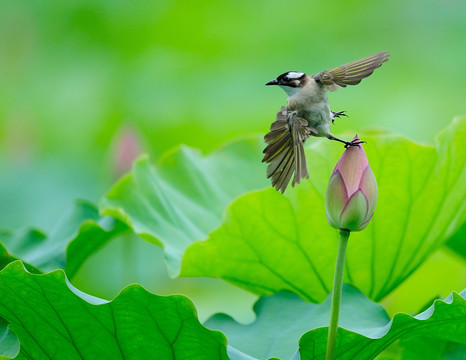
{"x":352,"y":73}
{"x":285,"y":150}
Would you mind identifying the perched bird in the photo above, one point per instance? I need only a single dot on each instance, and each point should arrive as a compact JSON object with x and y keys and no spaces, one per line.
{"x":308,"y":113}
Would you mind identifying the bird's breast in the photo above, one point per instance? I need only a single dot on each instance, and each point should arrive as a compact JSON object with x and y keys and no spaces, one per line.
{"x":310,"y":95}
{"x":311,"y":103}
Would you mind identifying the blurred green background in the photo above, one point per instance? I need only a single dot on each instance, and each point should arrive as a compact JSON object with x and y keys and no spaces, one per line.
{"x":77,"y":78}
{"x":73,"y":75}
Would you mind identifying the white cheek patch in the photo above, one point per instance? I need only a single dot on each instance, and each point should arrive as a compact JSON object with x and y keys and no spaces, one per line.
{"x":290,"y":91}
{"x":294,"y":75}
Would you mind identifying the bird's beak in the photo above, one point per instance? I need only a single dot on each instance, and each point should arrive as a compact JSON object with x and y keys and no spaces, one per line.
{"x":272,"y":82}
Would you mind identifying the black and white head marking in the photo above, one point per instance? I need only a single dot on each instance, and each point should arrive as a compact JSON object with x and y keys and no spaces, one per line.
{"x":291,"y":78}
{"x":294,"y":75}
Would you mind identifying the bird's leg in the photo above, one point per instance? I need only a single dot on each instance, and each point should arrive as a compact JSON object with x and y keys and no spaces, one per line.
{"x":331,"y":137}
{"x":347,"y":143}
{"x":335,"y":114}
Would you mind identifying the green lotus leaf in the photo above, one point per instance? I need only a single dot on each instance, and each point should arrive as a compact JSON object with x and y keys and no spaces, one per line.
{"x":284,"y":320}
{"x":268,"y":242}
{"x":183,"y":197}
{"x":76,"y":236}
{"x":52,"y":321}
{"x":48,"y":252}
{"x":444,"y":320}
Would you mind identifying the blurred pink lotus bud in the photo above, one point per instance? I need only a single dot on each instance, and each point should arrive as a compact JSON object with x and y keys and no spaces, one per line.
{"x":352,"y":191}
{"x":127,"y":149}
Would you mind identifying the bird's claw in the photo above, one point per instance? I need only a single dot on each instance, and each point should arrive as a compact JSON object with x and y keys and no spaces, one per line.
{"x":339,"y":113}
{"x":354,"y":143}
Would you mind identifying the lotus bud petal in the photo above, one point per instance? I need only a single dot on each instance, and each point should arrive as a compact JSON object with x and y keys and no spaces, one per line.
{"x":352,"y":191}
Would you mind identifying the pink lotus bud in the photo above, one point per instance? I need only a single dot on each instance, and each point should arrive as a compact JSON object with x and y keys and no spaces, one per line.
{"x":352,"y":191}
{"x":127,"y":149}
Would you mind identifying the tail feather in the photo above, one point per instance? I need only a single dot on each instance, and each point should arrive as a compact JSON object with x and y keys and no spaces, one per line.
{"x":285,"y":150}
{"x":301,"y":133}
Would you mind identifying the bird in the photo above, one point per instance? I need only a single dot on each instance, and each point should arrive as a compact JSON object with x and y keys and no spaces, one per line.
{"x":308,"y":114}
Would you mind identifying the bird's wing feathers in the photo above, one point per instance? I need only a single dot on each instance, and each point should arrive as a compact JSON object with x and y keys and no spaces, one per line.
{"x":352,"y":73}
{"x":285,"y":150}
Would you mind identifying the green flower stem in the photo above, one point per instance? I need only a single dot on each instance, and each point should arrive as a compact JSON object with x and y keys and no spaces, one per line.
{"x":336,"y":294}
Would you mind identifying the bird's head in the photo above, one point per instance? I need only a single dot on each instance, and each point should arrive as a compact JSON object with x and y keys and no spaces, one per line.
{"x":290,"y":81}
